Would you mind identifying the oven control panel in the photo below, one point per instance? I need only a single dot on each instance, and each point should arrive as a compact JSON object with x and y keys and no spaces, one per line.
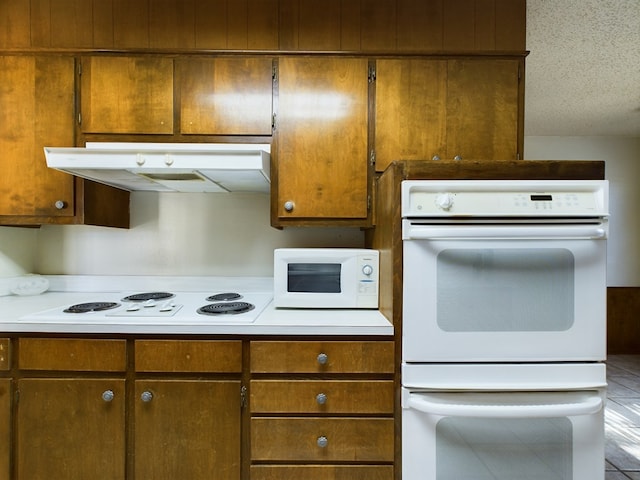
{"x":426,"y":198}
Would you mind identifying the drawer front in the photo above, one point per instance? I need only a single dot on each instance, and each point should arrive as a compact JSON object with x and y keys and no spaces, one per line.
{"x":322,"y":396}
{"x":188,"y":356}
{"x":4,"y":354}
{"x":72,"y":354}
{"x":321,"y":472}
{"x":322,"y":357}
{"x":322,"y":439}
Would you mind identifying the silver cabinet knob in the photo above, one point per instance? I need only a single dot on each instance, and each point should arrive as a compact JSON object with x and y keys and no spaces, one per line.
{"x":457,"y":157}
{"x":321,"y":398}
{"x":60,"y":204}
{"x":436,"y":157}
{"x":322,"y":441}
{"x":288,"y":206}
{"x":323,"y":358}
{"x":108,"y":395}
{"x":146,"y":396}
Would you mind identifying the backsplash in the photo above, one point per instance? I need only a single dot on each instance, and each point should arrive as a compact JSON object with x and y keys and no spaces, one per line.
{"x":182,"y":234}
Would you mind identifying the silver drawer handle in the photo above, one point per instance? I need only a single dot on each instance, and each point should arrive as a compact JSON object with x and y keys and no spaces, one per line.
{"x":322,"y":442}
{"x":323,"y":358}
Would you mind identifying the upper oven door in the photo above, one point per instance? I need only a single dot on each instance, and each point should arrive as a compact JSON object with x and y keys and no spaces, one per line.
{"x":504,"y":293}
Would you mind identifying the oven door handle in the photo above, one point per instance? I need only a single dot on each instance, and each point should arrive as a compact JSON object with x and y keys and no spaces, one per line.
{"x":430,"y":404}
{"x":481,"y":232}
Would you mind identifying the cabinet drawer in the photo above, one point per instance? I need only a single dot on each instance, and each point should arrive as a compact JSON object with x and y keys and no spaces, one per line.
{"x":188,"y":356}
{"x":323,"y":396}
{"x":322,"y":439}
{"x":321,"y":357}
{"x":321,"y":472}
{"x":4,"y":354}
{"x":72,"y":354}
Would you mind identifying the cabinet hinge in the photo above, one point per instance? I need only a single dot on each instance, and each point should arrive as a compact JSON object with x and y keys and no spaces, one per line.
{"x":243,"y":397}
{"x":518,"y":156}
{"x":273,"y":122}
{"x":519,"y":72}
{"x":79,"y":118}
{"x":79,"y":69}
{"x":368,"y":203}
{"x":372,"y":158}
{"x":16,"y":396}
{"x":372,"y":74}
{"x":274,"y":73}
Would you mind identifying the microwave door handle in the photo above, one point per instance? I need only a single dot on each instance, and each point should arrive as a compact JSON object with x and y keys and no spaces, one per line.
{"x":479,"y":232}
{"x":588,"y":406}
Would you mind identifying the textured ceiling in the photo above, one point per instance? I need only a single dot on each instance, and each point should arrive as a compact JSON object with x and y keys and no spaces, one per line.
{"x":583,"y":69}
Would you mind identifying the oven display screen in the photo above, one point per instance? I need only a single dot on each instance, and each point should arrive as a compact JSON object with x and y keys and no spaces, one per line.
{"x":541,"y":198}
{"x":313,"y":277}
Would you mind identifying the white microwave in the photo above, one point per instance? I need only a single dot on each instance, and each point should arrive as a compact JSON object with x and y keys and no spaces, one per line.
{"x":325,"y":278}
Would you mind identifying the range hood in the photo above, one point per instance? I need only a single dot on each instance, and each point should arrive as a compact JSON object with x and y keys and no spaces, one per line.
{"x":168,"y":167}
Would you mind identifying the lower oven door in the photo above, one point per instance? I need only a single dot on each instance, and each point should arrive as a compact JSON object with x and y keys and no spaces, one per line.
{"x":503,"y":436}
{"x":504,"y":293}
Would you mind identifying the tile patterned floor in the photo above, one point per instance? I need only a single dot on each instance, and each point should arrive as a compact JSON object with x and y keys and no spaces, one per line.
{"x":622,"y":418}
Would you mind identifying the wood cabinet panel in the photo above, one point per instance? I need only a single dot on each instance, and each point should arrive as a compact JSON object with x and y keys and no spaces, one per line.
{"x":5,"y":359}
{"x":428,"y":109}
{"x":171,"y":24}
{"x":322,"y":396}
{"x":5,"y":428}
{"x":303,"y":357}
{"x":321,"y":139}
{"x":321,"y":472}
{"x":226,"y":96}
{"x":297,"y":439}
{"x":127,"y":95}
{"x":72,"y":354}
{"x":188,"y":356}
{"x":37,"y":95}
{"x":483,"y":109}
{"x":187,"y":430}
{"x":67,"y":430}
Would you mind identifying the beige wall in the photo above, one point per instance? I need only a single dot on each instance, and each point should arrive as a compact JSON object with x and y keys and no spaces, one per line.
{"x":622,"y":169}
{"x":182,"y":234}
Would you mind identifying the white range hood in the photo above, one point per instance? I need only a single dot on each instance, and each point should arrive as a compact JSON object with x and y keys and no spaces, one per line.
{"x":168,"y":167}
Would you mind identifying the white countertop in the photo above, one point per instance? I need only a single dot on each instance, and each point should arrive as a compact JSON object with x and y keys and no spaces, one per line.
{"x":69,"y":290}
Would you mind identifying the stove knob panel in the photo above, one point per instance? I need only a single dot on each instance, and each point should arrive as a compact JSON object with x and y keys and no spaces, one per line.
{"x":444,"y":201}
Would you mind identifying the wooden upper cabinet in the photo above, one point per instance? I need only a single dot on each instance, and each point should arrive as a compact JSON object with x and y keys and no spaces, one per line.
{"x":127,"y":95}
{"x":443,"y":109}
{"x":226,"y":96}
{"x":321,"y":140}
{"x":37,"y":95}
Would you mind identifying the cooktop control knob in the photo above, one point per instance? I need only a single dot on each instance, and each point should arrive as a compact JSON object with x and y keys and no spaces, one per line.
{"x":367,"y":270}
{"x":444,"y":201}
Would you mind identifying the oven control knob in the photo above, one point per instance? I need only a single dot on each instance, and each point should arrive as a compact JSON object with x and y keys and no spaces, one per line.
{"x":444,"y":201}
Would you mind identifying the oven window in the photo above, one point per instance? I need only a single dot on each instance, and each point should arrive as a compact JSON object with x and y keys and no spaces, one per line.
{"x":505,"y":290}
{"x":313,"y":277}
{"x":504,"y":448}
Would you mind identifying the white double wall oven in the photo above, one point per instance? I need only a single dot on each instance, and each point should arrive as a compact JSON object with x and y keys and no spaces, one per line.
{"x":504,"y":329}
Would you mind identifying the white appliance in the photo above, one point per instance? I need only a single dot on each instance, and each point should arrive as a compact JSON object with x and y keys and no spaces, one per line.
{"x":168,"y":167}
{"x":325,"y":278}
{"x":504,"y":329}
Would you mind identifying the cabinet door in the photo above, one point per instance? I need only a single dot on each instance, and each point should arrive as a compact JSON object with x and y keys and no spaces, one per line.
{"x":127,"y":95}
{"x":5,"y":427}
{"x":71,"y":428}
{"x":187,"y":429}
{"x":321,"y":137}
{"x":37,"y":98}
{"x":411,"y":103}
{"x":482,"y":109}
{"x":225,"y":96}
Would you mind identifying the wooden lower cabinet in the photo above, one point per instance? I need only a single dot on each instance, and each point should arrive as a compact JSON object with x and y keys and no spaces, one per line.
{"x":322,"y":410}
{"x":187,"y":429}
{"x":321,"y":472}
{"x":5,"y":428}
{"x":71,"y":428}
